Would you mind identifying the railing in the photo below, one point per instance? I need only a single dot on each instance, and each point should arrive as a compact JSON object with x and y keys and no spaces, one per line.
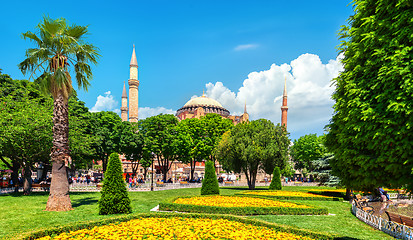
{"x":394,"y":229}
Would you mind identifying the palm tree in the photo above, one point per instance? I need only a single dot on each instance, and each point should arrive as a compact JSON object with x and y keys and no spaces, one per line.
{"x":59,"y":46}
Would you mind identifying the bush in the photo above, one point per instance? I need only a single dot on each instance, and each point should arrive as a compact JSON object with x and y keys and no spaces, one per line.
{"x":210,"y":182}
{"x":276,"y":180}
{"x":114,"y":198}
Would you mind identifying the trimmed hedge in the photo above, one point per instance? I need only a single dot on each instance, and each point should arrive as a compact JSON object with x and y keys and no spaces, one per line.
{"x":210,"y":182}
{"x":291,"y":197}
{"x":169,"y":205}
{"x":276,"y":180}
{"x":125,"y":218}
{"x":115,"y":196}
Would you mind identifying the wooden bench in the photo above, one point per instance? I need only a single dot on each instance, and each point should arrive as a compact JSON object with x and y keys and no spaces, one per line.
{"x":394,"y":217}
{"x":183,"y":183}
{"x":229,"y":183}
{"x":44,"y":186}
{"x":362,"y":203}
{"x":160,"y":184}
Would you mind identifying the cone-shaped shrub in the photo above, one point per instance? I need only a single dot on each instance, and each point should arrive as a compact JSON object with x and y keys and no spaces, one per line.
{"x":114,"y":198}
{"x":210,"y":182}
{"x":276,"y":180}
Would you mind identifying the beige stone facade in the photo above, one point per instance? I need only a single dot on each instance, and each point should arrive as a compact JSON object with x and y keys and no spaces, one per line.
{"x":133,"y":88}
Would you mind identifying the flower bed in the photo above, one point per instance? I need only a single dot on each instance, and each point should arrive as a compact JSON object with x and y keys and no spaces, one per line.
{"x":238,"y":205}
{"x":178,"y":226}
{"x":292,"y":195}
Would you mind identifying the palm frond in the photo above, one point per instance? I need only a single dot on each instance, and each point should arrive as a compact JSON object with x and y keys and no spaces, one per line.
{"x":32,"y":37}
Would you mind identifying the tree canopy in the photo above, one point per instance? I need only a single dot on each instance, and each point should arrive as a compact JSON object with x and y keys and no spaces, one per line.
{"x":371,"y":133}
{"x":253,"y":145}
{"x":306,"y":149}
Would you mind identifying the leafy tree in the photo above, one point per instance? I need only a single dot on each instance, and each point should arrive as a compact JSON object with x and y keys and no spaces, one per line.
{"x":215,"y":126}
{"x":306,"y":149}
{"x":253,"y":145}
{"x":160,"y":134}
{"x":25,"y":135}
{"x":106,"y":129}
{"x":114,"y":198}
{"x":58,"y":46}
{"x":370,"y":133}
{"x":210,"y":182}
{"x":131,"y":144}
{"x":276,"y":180}
{"x":192,"y":143}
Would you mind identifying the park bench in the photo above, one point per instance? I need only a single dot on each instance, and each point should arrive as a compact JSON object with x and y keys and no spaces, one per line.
{"x":362,"y":203}
{"x":408,"y":221}
{"x":43,"y":186}
{"x":229,"y":183}
{"x":160,"y":184}
{"x":183,"y":182}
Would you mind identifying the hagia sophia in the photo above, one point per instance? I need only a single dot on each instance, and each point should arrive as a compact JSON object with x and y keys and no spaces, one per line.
{"x":194,"y":108}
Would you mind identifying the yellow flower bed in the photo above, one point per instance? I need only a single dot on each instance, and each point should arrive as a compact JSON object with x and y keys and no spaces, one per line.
{"x":328,"y":190}
{"x":234,"y":201}
{"x":285,"y":194}
{"x":178,"y":228}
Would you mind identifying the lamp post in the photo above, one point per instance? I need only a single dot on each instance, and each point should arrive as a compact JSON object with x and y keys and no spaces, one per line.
{"x":152,"y":154}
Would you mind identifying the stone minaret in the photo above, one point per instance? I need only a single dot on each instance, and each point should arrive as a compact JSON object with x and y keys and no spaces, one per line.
{"x":284,"y":107}
{"x":133,"y":88}
{"x":124,"y":108}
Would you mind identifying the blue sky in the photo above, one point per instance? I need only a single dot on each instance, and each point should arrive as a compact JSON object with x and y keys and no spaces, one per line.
{"x":238,"y":51}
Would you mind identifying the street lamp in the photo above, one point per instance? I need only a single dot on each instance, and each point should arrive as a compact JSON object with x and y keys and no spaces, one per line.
{"x":152,"y":155}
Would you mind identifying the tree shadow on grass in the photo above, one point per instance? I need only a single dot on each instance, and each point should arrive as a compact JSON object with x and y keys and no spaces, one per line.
{"x":84,"y":201}
{"x":20,"y":194}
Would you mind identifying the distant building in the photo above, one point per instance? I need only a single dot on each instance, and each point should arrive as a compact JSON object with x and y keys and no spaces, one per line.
{"x":200,"y":106}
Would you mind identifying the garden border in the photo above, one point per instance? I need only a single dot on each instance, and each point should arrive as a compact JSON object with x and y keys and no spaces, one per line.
{"x":254,"y":222}
{"x":168,"y":205}
{"x":291,"y":197}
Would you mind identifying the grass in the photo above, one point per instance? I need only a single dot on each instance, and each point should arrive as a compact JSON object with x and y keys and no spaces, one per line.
{"x":21,"y":215}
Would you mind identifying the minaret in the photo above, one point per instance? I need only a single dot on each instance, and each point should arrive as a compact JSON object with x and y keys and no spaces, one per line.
{"x":284,"y":107}
{"x":124,"y":108}
{"x":133,"y":88}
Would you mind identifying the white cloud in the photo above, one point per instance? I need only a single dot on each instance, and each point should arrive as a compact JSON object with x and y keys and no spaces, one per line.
{"x":245,"y":47}
{"x":146,"y":112}
{"x":308,"y":87}
{"x":105,"y":103}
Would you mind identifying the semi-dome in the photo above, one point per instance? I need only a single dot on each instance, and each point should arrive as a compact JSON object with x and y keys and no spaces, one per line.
{"x":202,"y":101}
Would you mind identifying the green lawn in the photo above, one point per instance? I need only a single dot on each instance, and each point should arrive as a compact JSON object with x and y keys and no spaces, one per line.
{"x":21,"y":215}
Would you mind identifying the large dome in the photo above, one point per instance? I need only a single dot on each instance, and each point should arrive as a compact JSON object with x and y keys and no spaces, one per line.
{"x":203,"y":101}
{"x":208,"y":105}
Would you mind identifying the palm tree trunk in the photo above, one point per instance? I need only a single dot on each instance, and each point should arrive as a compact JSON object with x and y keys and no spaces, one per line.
{"x":59,"y":199}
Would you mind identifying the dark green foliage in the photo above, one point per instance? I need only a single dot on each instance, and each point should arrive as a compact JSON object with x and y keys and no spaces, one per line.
{"x":170,"y":206}
{"x":90,"y":225}
{"x":210,"y":182}
{"x":115,"y":198}
{"x":276,"y":180}
{"x":322,"y":171}
{"x":371,"y":133}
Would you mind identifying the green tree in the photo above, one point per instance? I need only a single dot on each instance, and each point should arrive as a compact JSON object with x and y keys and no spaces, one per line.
{"x":306,"y":149}
{"x":253,"y":145}
{"x":114,"y":195}
{"x":322,"y":171}
{"x":192,"y":143}
{"x":215,"y":126}
{"x":106,"y":129}
{"x":58,"y":46}
{"x":160,"y":139}
{"x":210,"y":182}
{"x":25,"y":135}
{"x":131,"y":144}
{"x":276,"y":180}
{"x":370,"y":133}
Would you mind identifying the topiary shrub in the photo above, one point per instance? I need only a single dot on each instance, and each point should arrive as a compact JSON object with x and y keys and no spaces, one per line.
{"x":210,"y":182}
{"x":276,"y":180}
{"x":114,"y":198}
